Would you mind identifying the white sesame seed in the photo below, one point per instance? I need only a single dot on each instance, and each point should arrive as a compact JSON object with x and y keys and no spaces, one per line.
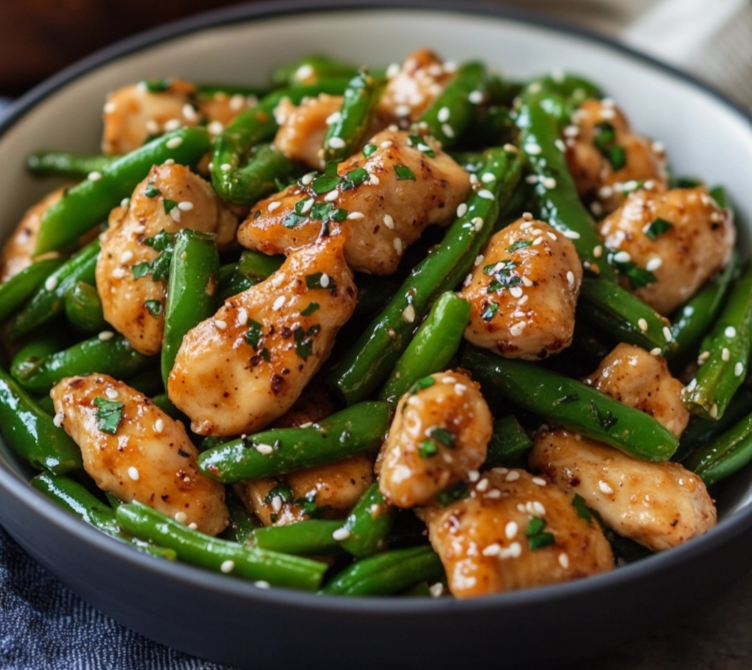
{"x":539,"y":481}
{"x":386,"y":144}
{"x":477,"y":223}
{"x":331,"y":196}
{"x":219,"y":324}
{"x":491,"y":550}
{"x":227,"y":566}
{"x":605,"y":488}
{"x":274,"y":205}
{"x":111,"y":393}
{"x":126,"y":257}
{"x":175,"y":214}
{"x":531,"y":179}
{"x":538,"y":508}
{"x":57,"y":420}
{"x":159,"y":425}
{"x":306,"y":179}
{"x":181,"y":517}
{"x":533,"y":149}
{"x":277,"y":280}
{"x":105,"y":335}
{"x":516,"y":292}
{"x":398,"y":245}
{"x":655,"y":352}
{"x":559,"y":144}
{"x":324,"y":281}
{"x":523,"y":299}
{"x":242,"y":319}
{"x":193,"y":526}
{"x":482,"y":485}
{"x":551,"y":236}
{"x":139,"y":230}
{"x":730,"y":332}
{"x":597,"y":251}
{"x":51,"y":283}
{"x":537,"y":241}
{"x":510,"y":530}
{"x":189,"y":112}
{"x":622,"y":257}
{"x":264,"y":449}
{"x":739,"y":369}
{"x":527,"y":216}
{"x":564,"y":561}
{"x":337,"y":143}
{"x":596,"y":208}
{"x":653,"y":264}
{"x":714,"y":411}
{"x":476,"y":97}
{"x":512,"y":476}
{"x":341,"y":534}
{"x":335,"y":117}
{"x":443,"y":115}
{"x":373,"y":180}
{"x":436,"y":590}
{"x":354,"y":216}
{"x":570,"y":278}
{"x":408,"y":314}
{"x":172,"y":124}
{"x":125,"y":202}
{"x":215,"y":128}
{"x":225,"y":167}
{"x":109,"y":107}
{"x":402,"y":110}
{"x":276,"y":504}
{"x":388,"y":221}
{"x":643,"y":325}
{"x":306,"y":206}
{"x":658,"y":147}
{"x":280,"y":301}
{"x":447,"y":130}
{"x":94,"y":176}
{"x":473,"y":476}
{"x":517,"y":328}
{"x":133,"y":473}
{"x":493,"y":494}
{"x":703,"y":357}
{"x":459,"y":389}
{"x":513,"y":551}
{"x":725,"y":354}
{"x":262,"y":584}
{"x":667,"y":334}
{"x":478,"y":260}
{"x":571,"y":131}
{"x":174,"y":142}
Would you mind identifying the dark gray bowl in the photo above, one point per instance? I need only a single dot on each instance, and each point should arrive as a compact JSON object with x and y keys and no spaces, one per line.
{"x":228,"y":620}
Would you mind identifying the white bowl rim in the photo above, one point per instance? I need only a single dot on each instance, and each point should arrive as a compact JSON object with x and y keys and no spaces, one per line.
{"x":726,"y":532}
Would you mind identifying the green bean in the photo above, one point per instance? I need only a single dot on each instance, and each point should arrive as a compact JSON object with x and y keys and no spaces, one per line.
{"x":508,"y":442}
{"x":355,"y":429}
{"x":432,"y":347}
{"x":572,"y":87}
{"x":728,"y":345}
{"x":64,"y":164}
{"x":18,"y":289}
{"x":718,"y":193}
{"x":572,"y":404}
{"x":387,"y":573}
{"x":31,"y":432}
{"x":164,"y":403}
{"x":48,"y":301}
{"x":363,"y":368}
{"x":690,"y":322}
{"x":725,"y":455}
{"x":192,"y":291}
{"x":450,"y":113}
{"x":266,"y":167}
{"x":489,"y":126}
{"x":114,"y":356}
{"x":83,"y":308}
{"x":76,"y":499}
{"x":29,"y":356}
{"x":88,"y":203}
{"x":248,"y":129}
{"x":148,"y":381}
{"x":215,"y":89}
{"x":345,"y":134}
{"x":219,"y":555}
{"x":259,"y":265}
{"x":242,"y":522}
{"x":312,"y":67}
{"x":368,"y":524}
{"x":312,"y":536}
{"x":502,"y":91}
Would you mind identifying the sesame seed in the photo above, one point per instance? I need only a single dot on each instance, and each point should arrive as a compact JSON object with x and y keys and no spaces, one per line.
{"x":386,"y":144}
{"x":152,"y":127}
{"x":491,"y":550}
{"x":219,"y":324}
{"x":739,"y":369}
{"x":277,"y":280}
{"x":274,"y":205}
{"x":215,"y":128}
{"x":331,"y":196}
{"x":539,"y":481}
{"x":473,"y":476}
{"x":488,"y":177}
{"x":703,"y":357}
{"x":306,"y":206}
{"x":126,"y":257}
{"x":158,"y":425}
{"x":667,"y":334}
{"x":335,"y":117}
{"x":402,"y":110}
{"x":655,"y":352}
{"x":225,"y":167}
{"x":527,"y":216}
{"x":280,"y":301}
{"x":513,"y":551}
{"x":324,"y":281}
{"x":570,"y":278}
{"x":337,"y":143}
{"x":227,"y":566}
{"x":559,"y":144}
{"x":571,"y":131}
{"x":516,"y":292}
{"x":478,"y":260}
{"x":494,"y":494}
{"x":730,"y":332}
{"x":443,"y":115}
{"x":94,"y":176}
{"x":459,"y":389}
{"x":531,"y":179}
{"x":139,"y":230}
{"x":436,"y":590}
{"x":653,"y":264}
{"x":169,"y":161}
{"x":133,"y":473}
{"x":477,"y":223}
{"x":388,"y":221}
{"x":476,"y":97}
{"x":714,"y":411}
{"x":447,"y":130}
{"x":354,"y":216}
{"x":262,"y":584}
{"x":105,"y":335}
{"x":374,"y":180}
{"x":111,"y":393}
{"x":551,"y":236}
{"x":51,"y":283}
{"x":658,"y":147}
{"x":622,"y":257}
{"x":482,"y":485}
{"x":172,"y":124}
{"x":596,"y":208}
{"x":564,"y":561}
{"x":408,"y":314}
{"x":57,"y":420}
{"x":643,"y":324}
{"x":725,"y":354}
{"x":276,"y":504}
{"x":605,"y":488}
{"x":533,"y":149}
{"x":174,"y":143}
{"x":175,"y":214}
{"x":512,"y":476}
{"x":517,"y":328}
{"x":537,"y":241}
{"x":264,"y":449}
{"x":189,"y":112}
{"x":125,"y":202}
{"x":597,"y":251}
{"x":538,"y":508}
{"x":242,"y":319}
{"x":181,"y":517}
{"x":608,"y":113}
{"x":523,"y":299}
{"x":398,"y":245}
{"x":510,"y":530}
{"x":341,"y":534}
{"x":306,"y":179}
{"x":448,"y":379}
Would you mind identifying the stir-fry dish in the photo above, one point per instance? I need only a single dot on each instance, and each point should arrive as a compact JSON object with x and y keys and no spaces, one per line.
{"x":418,"y":331}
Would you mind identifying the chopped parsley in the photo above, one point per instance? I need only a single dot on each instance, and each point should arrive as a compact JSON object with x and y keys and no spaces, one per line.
{"x":354,"y":178}
{"x":312,"y":307}
{"x":304,"y":340}
{"x":420,"y":144}
{"x":638,"y":277}
{"x":314,"y":281}
{"x":456,"y":492}
{"x":537,"y":538}
{"x":154,"y":307}
{"x":328,"y":181}
{"x":309,"y":506}
{"x":293,"y":219}
{"x":442,"y":436}
{"x":519,"y":244}
{"x":403,"y":172}
{"x":254,"y":333}
{"x":578,"y":502}
{"x":109,"y":414}
{"x":159,"y":268}
{"x":169,"y":205}
{"x":657,"y":228}
{"x":421,"y":384}
{"x":283,"y":491}
{"x":326,"y":211}
{"x":151,"y":191}
{"x":605,"y":142}
{"x":369,"y":150}
{"x":617,"y":156}
{"x":156,"y":85}
{"x":427,"y":449}
{"x":605,"y":419}
{"x":490,"y":311}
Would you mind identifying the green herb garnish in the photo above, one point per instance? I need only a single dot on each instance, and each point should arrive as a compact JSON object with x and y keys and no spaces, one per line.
{"x":657,"y":228}
{"x":536,"y":537}
{"x":328,"y":181}
{"x":490,"y":311}
{"x":354,"y":178}
{"x":312,"y":307}
{"x":254,"y":333}
{"x":169,"y":205}
{"x":403,"y":172}
{"x":369,"y":150}
{"x":442,"y":436}
{"x":156,"y":85}
{"x":427,"y":449}
{"x":283,"y":491}
{"x":578,"y":502}
{"x":519,"y":244}
{"x":457,"y":492}
{"x":154,"y":307}
{"x":421,"y":384}
{"x":605,"y":419}
{"x":151,"y":191}
{"x":109,"y":414}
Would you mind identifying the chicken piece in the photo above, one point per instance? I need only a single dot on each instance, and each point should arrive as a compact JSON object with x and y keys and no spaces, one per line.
{"x":683,"y":255}
{"x":514,"y":531}
{"x":19,"y":247}
{"x":389,"y":198}
{"x":440,"y":432}
{"x":134,"y":114}
{"x":134,"y":451}
{"x":244,"y":367}
{"x":659,"y":505}
{"x":523,"y":292}
{"x":604,"y":156}
{"x":302,"y":129}
{"x":632,"y":376}
{"x":128,"y":301}
{"x":412,"y":88}
{"x":326,"y":491}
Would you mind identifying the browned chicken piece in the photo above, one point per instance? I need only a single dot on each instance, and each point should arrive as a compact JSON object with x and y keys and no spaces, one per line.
{"x":412,"y":88}
{"x":683,"y":255}
{"x":148,"y":458}
{"x":19,"y":247}
{"x":327,"y":491}
{"x":659,"y":505}
{"x":523,"y":292}
{"x":125,"y":298}
{"x":246,"y":366}
{"x":438,"y":436}
{"x":632,"y":376}
{"x":514,"y":531}
{"x":403,"y":191}
{"x":133,"y":114}
{"x":595,"y":145}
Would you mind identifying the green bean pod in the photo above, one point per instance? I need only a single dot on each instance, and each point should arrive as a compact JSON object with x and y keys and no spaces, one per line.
{"x":368,"y":524}
{"x":725,"y":455}
{"x":312,"y":536}
{"x":242,"y":522}
{"x":83,"y":308}
{"x":212,"y":89}
{"x":489,"y":126}
{"x":314,"y":67}
{"x":114,"y":356}
{"x":508,"y":442}
{"x":283,"y":450}
{"x":18,"y":289}
{"x":432,"y":347}
{"x":89,"y":202}
{"x":364,"y":367}
{"x":30,"y":355}
{"x":148,"y":381}
{"x":31,"y":432}
{"x":728,"y":343}
{"x":387,"y":573}
{"x":219,"y":555}
{"x":64,"y":164}
{"x":192,"y":291}
{"x":162,"y":400}
{"x":449,"y":114}
{"x":566,"y":402}
{"x":49,"y":300}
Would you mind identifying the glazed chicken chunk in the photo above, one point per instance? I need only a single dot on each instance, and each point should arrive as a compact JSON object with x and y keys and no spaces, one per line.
{"x":134,"y":451}
{"x":133,"y":292}
{"x":514,"y":531}
{"x":439,"y":434}
{"x":632,"y":376}
{"x":659,"y":505}
{"x":523,"y":292}
{"x":244,"y":367}
{"x":605,"y":156}
{"x":382,"y":202}
{"x":681,"y":236}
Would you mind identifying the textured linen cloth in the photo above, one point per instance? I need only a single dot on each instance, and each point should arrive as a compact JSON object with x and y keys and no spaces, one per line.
{"x":45,"y":626}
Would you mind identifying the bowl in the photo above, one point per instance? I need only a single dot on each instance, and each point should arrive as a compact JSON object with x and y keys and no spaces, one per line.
{"x":231,"y":621}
